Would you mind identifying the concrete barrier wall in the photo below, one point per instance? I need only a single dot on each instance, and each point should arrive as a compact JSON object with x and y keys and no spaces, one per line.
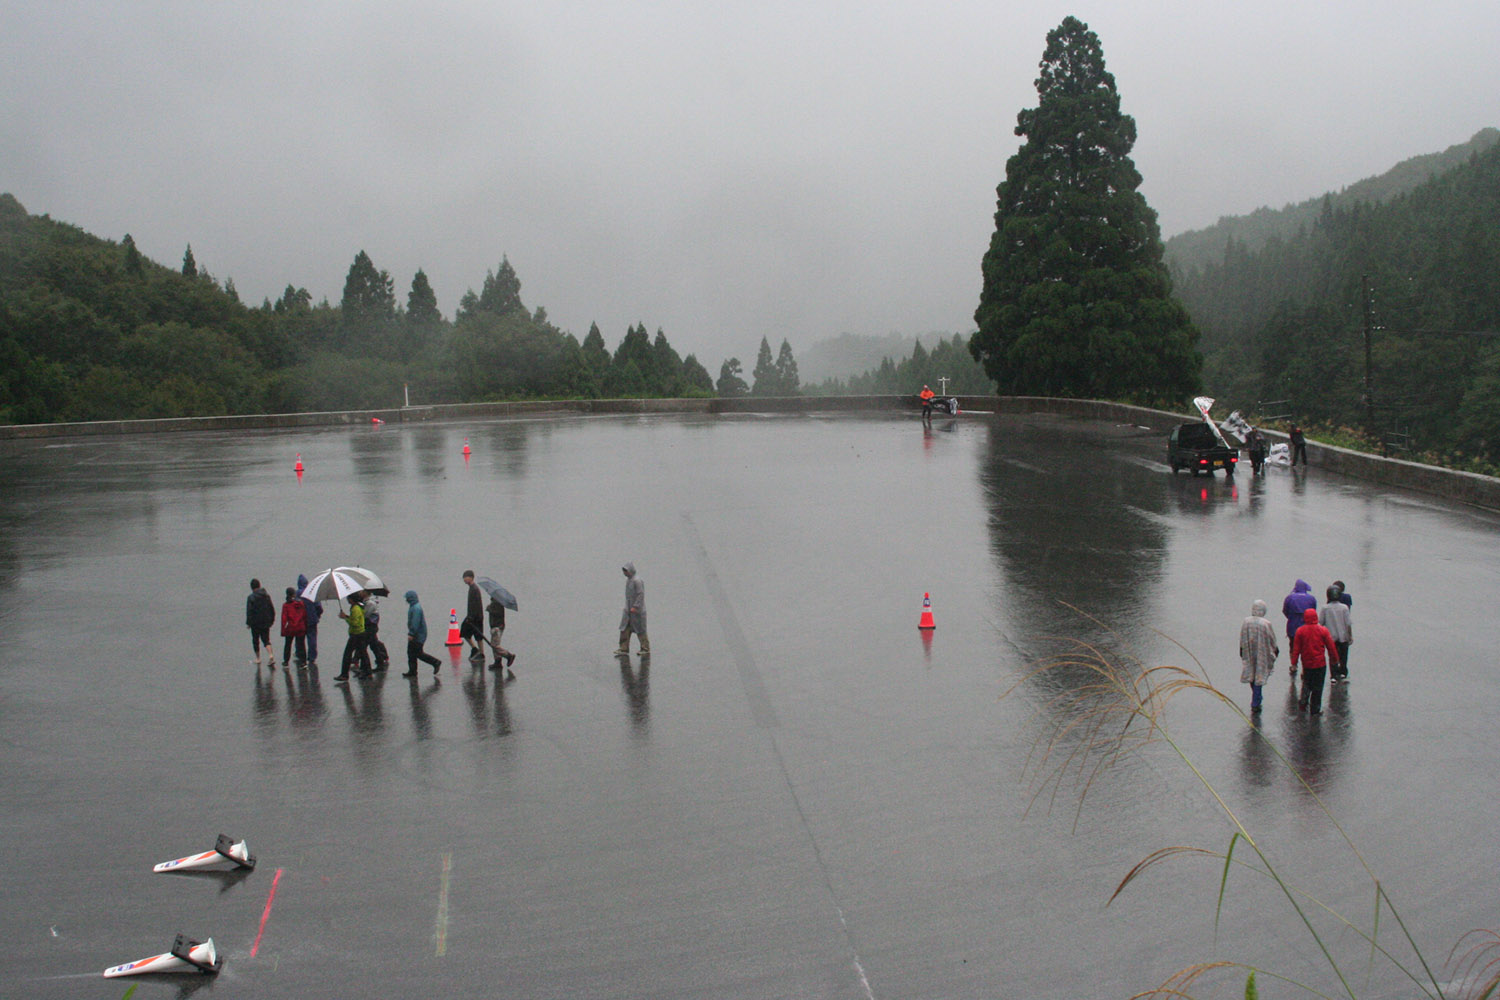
{"x":1466,"y":487}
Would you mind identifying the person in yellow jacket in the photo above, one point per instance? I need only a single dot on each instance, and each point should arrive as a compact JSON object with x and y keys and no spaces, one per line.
{"x":355,"y":648}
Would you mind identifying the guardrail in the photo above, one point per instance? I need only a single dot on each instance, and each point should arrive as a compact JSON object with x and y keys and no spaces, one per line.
{"x":1466,"y":487}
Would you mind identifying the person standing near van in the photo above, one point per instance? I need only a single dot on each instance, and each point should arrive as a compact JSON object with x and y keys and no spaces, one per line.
{"x":1299,"y":445}
{"x":1257,"y":445}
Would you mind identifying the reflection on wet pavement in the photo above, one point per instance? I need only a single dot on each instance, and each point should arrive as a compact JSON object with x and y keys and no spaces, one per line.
{"x":800,"y":794}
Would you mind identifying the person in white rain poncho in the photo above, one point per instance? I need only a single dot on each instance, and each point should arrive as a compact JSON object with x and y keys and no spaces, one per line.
{"x":634,"y":618}
{"x":1258,"y":652}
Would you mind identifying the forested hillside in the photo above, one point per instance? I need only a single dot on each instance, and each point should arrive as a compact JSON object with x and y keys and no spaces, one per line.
{"x":1200,"y":247}
{"x":949,"y":359}
{"x":852,"y":354}
{"x":1285,"y":322}
{"x":90,"y":330}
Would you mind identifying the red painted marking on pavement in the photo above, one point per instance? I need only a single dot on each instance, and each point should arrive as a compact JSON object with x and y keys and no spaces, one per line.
{"x":265,"y":915}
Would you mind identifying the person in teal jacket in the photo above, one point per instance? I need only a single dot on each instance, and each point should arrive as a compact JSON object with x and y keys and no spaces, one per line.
{"x":416,"y":637}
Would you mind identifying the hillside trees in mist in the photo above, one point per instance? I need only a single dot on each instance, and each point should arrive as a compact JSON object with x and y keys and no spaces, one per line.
{"x":950,"y":359}
{"x":1076,"y":299}
{"x":773,"y":376}
{"x":1285,"y":322}
{"x":93,"y":330}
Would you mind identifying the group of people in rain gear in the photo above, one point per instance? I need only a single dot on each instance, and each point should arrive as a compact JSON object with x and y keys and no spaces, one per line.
{"x":300,"y":616}
{"x":299,"y":624}
{"x":1319,"y":642}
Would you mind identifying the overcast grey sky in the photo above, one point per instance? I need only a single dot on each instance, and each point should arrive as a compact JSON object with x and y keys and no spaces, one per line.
{"x":720,"y":170}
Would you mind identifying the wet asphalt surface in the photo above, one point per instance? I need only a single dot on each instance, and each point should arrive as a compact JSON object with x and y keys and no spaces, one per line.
{"x":798,"y":796}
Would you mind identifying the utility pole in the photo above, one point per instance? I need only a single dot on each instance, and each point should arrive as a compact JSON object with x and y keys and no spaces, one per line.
{"x":1364,"y":294}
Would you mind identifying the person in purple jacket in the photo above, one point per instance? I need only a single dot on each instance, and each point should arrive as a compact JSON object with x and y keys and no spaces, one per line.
{"x":1299,"y":600}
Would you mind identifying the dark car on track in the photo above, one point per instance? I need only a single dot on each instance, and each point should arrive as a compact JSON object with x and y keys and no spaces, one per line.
{"x":1197,"y":448}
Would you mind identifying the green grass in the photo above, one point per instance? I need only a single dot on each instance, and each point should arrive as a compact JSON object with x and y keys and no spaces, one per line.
{"x":1111,"y":706}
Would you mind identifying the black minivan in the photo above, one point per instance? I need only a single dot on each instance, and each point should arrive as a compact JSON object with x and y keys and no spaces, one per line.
{"x":1197,"y":448}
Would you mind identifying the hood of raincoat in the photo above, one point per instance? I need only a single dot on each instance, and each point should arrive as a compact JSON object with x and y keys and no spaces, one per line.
{"x":1310,"y":616}
{"x":1258,"y":609}
{"x":629,"y":569}
{"x":1301,"y":587}
{"x":411,"y":597}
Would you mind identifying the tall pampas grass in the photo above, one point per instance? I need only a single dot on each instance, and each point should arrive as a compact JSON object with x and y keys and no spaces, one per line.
{"x":1106,"y":705}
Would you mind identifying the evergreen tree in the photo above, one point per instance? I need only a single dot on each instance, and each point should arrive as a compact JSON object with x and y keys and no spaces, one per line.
{"x":230,"y":290}
{"x":765,"y":375}
{"x":730,"y":383}
{"x":594,"y":351}
{"x":132,"y":255}
{"x":627,"y":382}
{"x":634,"y":351}
{"x":595,"y":362}
{"x":368,"y":293}
{"x":695,"y":378}
{"x":293,"y":301}
{"x":502,"y":290}
{"x":421,"y":301}
{"x":189,"y":265}
{"x":668,"y":366}
{"x":1076,"y":299}
{"x":787,"y":382}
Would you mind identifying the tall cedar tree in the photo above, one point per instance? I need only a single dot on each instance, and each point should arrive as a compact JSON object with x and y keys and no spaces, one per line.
{"x":766,"y":381}
{"x":787,"y":379}
{"x":421,"y":301}
{"x":1077,"y":301}
{"x":369,"y":294}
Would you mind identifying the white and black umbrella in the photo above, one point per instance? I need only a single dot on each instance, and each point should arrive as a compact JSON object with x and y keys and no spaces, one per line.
{"x":373,"y":583}
{"x":338,"y":583}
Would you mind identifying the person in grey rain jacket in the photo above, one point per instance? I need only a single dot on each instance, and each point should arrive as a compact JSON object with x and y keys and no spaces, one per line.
{"x":634,"y":617}
{"x":1335,"y":618}
{"x":1258,"y":652}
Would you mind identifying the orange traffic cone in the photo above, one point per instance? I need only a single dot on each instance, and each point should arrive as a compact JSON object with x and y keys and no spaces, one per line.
{"x":926,"y":622}
{"x":466,"y":449}
{"x":298,"y":466}
{"x":453,"y":637}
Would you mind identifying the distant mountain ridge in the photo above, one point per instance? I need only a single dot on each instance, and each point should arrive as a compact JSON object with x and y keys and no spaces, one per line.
{"x":1199,"y":247}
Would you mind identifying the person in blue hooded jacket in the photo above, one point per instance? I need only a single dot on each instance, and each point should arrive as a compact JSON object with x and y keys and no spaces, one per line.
{"x":416,"y":636}
{"x":1299,"y":600}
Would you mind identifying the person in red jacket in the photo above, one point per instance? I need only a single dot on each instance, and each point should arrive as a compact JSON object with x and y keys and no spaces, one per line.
{"x":1313,"y":647}
{"x":293,"y":629}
